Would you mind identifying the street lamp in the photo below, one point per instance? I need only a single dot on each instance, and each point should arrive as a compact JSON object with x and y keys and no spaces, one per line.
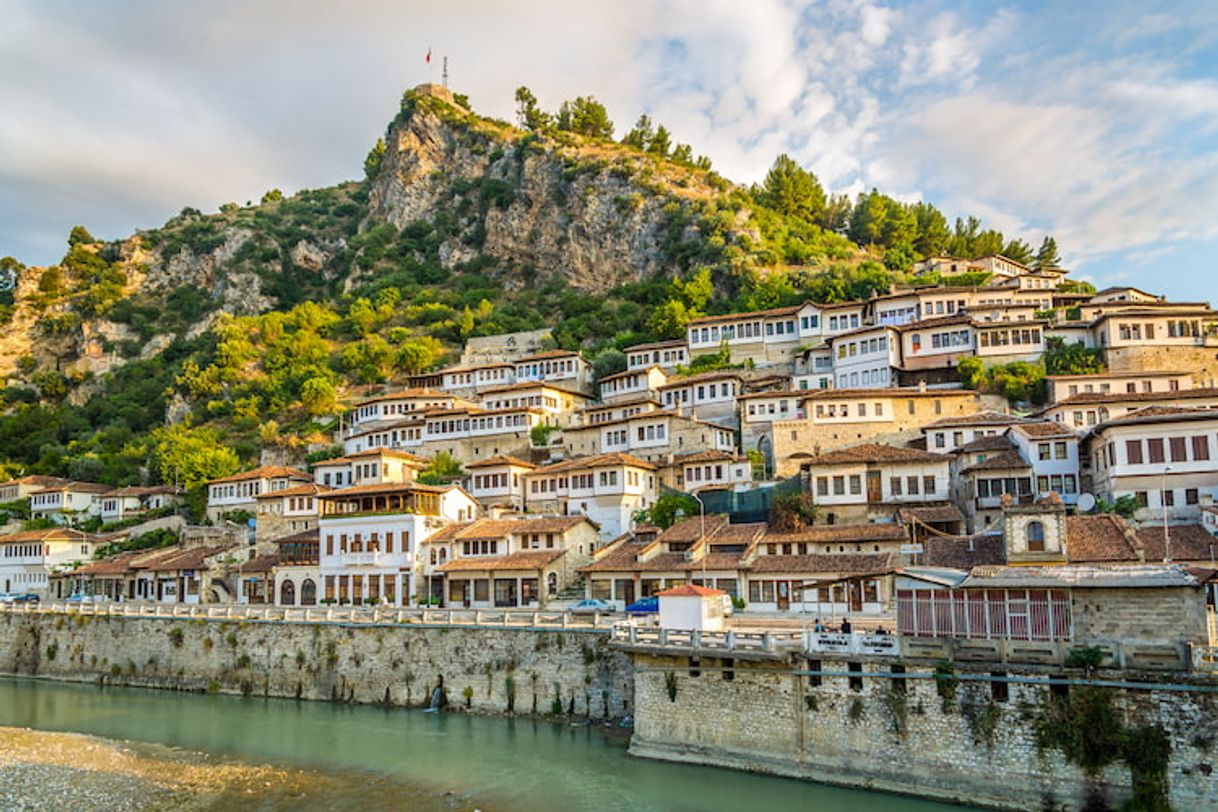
{"x":1163,"y":502}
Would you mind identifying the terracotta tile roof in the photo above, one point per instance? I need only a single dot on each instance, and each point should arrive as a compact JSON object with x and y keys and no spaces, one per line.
{"x":703,"y":377}
{"x":821,"y":564}
{"x":418,"y":393}
{"x":707,"y":456}
{"x":264,"y":472}
{"x":308,"y":489}
{"x":983,"y":418}
{"x":690,"y":529}
{"x":626,"y":373}
{"x":930,"y":513}
{"x":1088,"y":398}
{"x":77,"y":487}
{"x":501,"y":459}
{"x":595,"y":461}
{"x":38,"y":480}
{"x":625,"y":559}
{"x":523,"y":385}
{"x":991,"y":442}
{"x":1005,"y":461}
{"x":147,"y":490}
{"x":890,"y":392}
{"x":1160,"y":414}
{"x":840,"y":533}
{"x":384,"y":487}
{"x":937,"y":321}
{"x":619,"y":404}
{"x":1045,"y":428}
{"x":385,"y":452}
{"x":120,"y":564}
{"x":1105,"y":537}
{"x":189,"y":559}
{"x":532,"y":560}
{"x":262,"y":563}
{"x":690,"y":591}
{"x":502,"y":528}
{"x":1189,"y":542}
{"x":963,"y":552}
{"x":541,"y":356}
{"x":874,"y":452}
{"x":53,"y":534}
{"x":752,"y":314}
{"x":656,"y":345}
{"x":303,"y":537}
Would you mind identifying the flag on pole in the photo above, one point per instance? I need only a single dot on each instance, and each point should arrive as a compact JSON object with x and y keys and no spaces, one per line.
{"x":427,"y":59}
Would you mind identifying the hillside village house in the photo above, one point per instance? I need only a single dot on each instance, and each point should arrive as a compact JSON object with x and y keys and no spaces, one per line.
{"x":369,"y":535}
{"x":1087,"y":410}
{"x":288,"y":512}
{"x":1060,"y":387}
{"x":297,"y":571}
{"x":708,"y":470}
{"x":498,"y":481}
{"x":559,"y":367}
{"x":465,"y":433}
{"x":667,"y":355}
{"x":710,"y":396}
{"x":469,"y":381}
{"x":1052,"y":451}
{"x":188,"y":574}
{"x":632,"y":384}
{"x":951,"y":433}
{"x":654,"y":436}
{"x":557,"y":404}
{"x":22,"y":487}
{"x":813,"y":368}
{"x":125,"y":503}
{"x":520,"y":562}
{"x":768,"y":337}
{"x":1163,"y":456}
{"x":758,"y":410}
{"x":396,"y":405}
{"x":68,"y":502}
{"x":28,"y":558}
{"x":869,"y":482}
{"x":867,"y":357}
{"x":595,"y":415}
{"x":607,"y":488}
{"x":833,"y":418}
{"x":240,"y":491}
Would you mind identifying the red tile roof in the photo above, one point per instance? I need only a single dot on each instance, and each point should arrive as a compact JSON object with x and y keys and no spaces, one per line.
{"x":690,"y":591}
{"x":532,"y":560}
{"x":874,"y":452}
{"x":501,"y":459}
{"x":264,"y":472}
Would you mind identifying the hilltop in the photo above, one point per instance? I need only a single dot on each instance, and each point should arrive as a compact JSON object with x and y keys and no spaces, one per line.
{"x":252,"y":326}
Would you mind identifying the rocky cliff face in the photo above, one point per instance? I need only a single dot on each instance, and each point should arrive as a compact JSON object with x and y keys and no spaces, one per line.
{"x":594,"y":214}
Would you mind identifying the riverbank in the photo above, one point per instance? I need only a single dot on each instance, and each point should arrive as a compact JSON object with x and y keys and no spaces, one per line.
{"x":40,"y":770}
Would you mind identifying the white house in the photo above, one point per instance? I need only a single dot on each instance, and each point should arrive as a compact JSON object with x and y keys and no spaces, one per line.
{"x":560,"y":367}
{"x":607,"y":488}
{"x":632,"y":383}
{"x":124,"y":503}
{"x":240,"y":491}
{"x":867,"y":357}
{"x":871,"y":480}
{"x":708,"y":396}
{"x":28,"y":558}
{"x":68,"y":502}
{"x":692,"y":607}
{"x":498,"y":480}
{"x":667,"y":355}
{"x":1052,"y":451}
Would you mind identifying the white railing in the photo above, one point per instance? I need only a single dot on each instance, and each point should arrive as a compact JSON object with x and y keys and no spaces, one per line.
{"x":698,"y":641}
{"x":369,"y":615}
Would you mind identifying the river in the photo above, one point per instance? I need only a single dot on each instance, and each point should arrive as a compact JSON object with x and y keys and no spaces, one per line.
{"x":494,"y":764}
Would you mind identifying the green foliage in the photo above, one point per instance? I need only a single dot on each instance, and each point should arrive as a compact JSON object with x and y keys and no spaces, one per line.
{"x":319,"y":396}
{"x":272,"y":196}
{"x":947,"y":684}
{"x":540,"y":434}
{"x":585,"y":116}
{"x":1125,"y":506}
{"x":444,"y":468}
{"x":162,"y":537}
{"x":528,"y":114}
{"x":372,"y":163}
{"x":793,"y":191}
{"x":710,"y":362}
{"x":791,"y":512}
{"x":1063,"y":358}
{"x":79,"y":235}
{"x":670,"y":685}
{"x":1017,"y":381}
{"x":663,"y":513}
{"x":1085,"y":657}
{"x":189,"y":457}
{"x":1047,"y":256}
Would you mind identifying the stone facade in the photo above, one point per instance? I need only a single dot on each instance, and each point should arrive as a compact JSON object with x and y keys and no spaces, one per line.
{"x":391,"y":664}
{"x":899,"y":736}
{"x":1201,"y":361}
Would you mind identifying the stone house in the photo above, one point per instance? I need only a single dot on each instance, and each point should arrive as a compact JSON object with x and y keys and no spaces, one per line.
{"x":652,"y":435}
{"x":607,"y":488}
{"x":240,"y":491}
{"x":498,"y":481}
{"x":870,"y":481}
{"x":667,"y":355}
{"x":287,"y":512}
{"x":559,"y":405}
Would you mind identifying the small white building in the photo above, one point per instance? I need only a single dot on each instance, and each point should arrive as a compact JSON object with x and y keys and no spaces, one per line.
{"x":692,"y":607}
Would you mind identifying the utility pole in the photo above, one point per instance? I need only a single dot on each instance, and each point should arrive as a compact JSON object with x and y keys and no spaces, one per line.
{"x":1163,"y":499}
{"x":444,"y":74}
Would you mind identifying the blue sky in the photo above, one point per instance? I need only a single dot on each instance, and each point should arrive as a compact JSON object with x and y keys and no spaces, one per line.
{"x":1096,"y":122}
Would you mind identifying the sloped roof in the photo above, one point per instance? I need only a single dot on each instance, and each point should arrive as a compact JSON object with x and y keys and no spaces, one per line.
{"x":1045,"y":429}
{"x":1104,"y":537}
{"x":307,"y":489}
{"x":1004,"y":461}
{"x":874,"y":452}
{"x":930,"y":513}
{"x":263,"y":472}
{"x":532,"y":560}
{"x":690,"y":591}
{"x":1188,"y":542}
{"x":1083,"y":576}
{"x":987,"y":417}
{"x":840,"y":533}
{"x":990,"y":442}
{"x":707,"y":456}
{"x":52,"y":534}
{"x":964,"y":552}
{"x":501,"y":459}
{"x":822,"y":563}
{"x":595,"y":461}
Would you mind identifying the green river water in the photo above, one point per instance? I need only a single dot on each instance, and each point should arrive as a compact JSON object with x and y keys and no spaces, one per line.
{"x":450,"y":761}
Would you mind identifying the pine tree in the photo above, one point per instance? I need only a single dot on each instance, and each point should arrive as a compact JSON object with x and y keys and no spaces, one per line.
{"x":792,"y":190}
{"x":1047,"y":256}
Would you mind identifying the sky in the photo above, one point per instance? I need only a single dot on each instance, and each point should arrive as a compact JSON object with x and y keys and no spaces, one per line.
{"x":1093,"y":121}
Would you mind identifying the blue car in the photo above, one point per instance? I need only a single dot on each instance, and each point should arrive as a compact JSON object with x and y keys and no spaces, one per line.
{"x":644,"y":606}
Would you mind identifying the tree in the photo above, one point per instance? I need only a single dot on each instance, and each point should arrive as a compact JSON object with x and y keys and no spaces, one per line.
{"x":1072,"y":358}
{"x":791,"y":190}
{"x":609,"y":362}
{"x":273,"y":196}
{"x":1125,"y":506}
{"x":189,"y":456}
{"x":933,"y":233}
{"x":540,"y":434}
{"x":444,"y":469}
{"x":372,"y":164}
{"x":319,"y":396}
{"x":528,"y":114}
{"x":641,"y":134}
{"x":697,"y":290}
{"x":418,"y":354}
{"x":1019,"y":251}
{"x":683,"y":154}
{"x":670,"y":319}
{"x":1047,"y":256}
{"x":79,"y":235}
{"x":663,"y":513}
{"x":792,"y":512}
{"x":369,"y":360}
{"x":661,"y":142}
{"x":868,"y":219}
{"x":585,"y":116}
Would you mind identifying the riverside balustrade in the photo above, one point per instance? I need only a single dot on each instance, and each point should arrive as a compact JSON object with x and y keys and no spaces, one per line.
{"x":350,"y":615}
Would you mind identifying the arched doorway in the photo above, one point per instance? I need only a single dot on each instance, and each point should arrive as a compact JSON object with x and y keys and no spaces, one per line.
{"x":308,"y":592}
{"x":287,"y":593}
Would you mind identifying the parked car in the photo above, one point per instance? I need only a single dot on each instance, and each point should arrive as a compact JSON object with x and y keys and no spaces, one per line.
{"x":28,"y":597}
{"x":592,"y":606}
{"x":77,"y":597}
{"x":644,"y":606}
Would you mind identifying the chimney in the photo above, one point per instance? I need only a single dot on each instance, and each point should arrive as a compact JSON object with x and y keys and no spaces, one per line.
{"x":921,"y":386}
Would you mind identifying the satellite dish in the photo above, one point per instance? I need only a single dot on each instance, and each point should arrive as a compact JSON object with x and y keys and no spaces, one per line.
{"x":1085,"y":502}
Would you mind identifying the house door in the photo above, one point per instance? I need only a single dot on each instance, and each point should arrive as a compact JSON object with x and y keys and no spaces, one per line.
{"x":784,"y":595}
{"x":873,"y":487}
{"x":856,"y":596}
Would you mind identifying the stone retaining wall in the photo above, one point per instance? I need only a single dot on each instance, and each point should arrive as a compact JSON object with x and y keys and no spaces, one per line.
{"x":504,"y":669}
{"x":976,"y":751}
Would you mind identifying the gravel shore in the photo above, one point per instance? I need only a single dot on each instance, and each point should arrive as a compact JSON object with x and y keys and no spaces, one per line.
{"x":62,"y":771}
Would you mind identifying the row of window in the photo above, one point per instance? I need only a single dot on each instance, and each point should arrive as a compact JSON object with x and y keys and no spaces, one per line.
{"x":849,"y":349}
{"x":867,"y":377}
{"x":1157,"y":451}
{"x":1056,"y":451}
{"x":620,"y":437}
{"x":356,"y":543}
{"x":525,"y":401}
{"x":912,"y":484}
{"x":27,"y":550}
{"x":467,"y":424}
{"x":1003,"y":338}
{"x":482,"y":482}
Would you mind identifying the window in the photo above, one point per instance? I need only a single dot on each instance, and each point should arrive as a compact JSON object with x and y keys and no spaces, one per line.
{"x":1133,"y":452}
{"x":1201,"y":447}
{"x":1059,"y":451}
{"x":1042,"y":451}
{"x":912,"y":482}
{"x":1179,"y":449}
{"x":895,"y":486}
{"x":1155,"y":447}
{"x":1036,"y":537}
{"x":1191,"y":496}
{"x":1140,"y":497}
{"x":839,"y":485}
{"x":822,"y":486}
{"x":856,"y":484}
{"x":928,"y":485}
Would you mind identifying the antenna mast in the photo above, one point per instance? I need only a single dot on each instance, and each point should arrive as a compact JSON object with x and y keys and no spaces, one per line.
{"x":444,"y":75}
